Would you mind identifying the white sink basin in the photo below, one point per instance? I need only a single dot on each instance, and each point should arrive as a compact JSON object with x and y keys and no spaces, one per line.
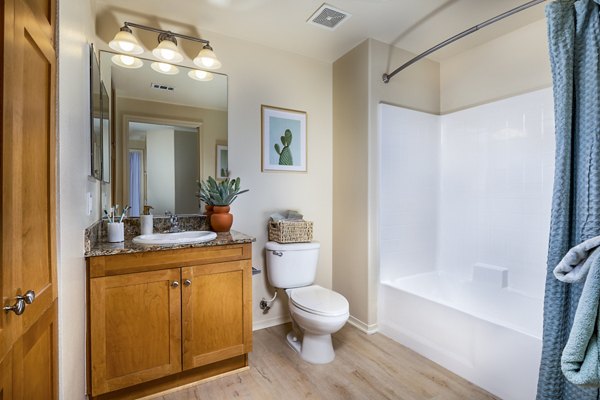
{"x":176,"y":238}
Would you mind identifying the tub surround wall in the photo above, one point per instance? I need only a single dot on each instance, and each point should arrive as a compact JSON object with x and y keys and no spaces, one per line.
{"x":496,"y":175}
{"x":410,"y":164}
{"x":482,"y":196}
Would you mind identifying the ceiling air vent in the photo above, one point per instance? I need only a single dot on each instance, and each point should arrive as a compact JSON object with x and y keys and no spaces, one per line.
{"x":328,"y":17}
{"x":160,"y":86}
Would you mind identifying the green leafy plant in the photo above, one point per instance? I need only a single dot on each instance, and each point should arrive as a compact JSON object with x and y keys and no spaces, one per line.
{"x":219,"y":193}
{"x":203,"y":193}
{"x":285,"y":154}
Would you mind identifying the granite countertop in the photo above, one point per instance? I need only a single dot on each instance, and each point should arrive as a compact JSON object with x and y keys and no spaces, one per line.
{"x":96,"y":245}
{"x":108,"y":249}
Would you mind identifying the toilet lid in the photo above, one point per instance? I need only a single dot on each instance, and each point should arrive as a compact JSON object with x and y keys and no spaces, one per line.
{"x":318,"y":300}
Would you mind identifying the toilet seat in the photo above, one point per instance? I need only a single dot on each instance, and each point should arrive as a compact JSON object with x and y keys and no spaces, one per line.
{"x":319,"y":301}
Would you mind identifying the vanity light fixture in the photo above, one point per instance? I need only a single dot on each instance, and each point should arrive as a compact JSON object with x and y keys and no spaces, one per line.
{"x":125,"y":42}
{"x":164,"y":68}
{"x":167,"y":50}
{"x":207,"y":58}
{"x":126,"y":61}
{"x":200,"y":75}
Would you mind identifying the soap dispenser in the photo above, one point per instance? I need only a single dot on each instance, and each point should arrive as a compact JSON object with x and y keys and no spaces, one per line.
{"x":146,"y":221}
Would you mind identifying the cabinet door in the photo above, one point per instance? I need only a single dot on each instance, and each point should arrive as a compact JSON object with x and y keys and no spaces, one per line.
{"x":135,"y":325}
{"x":216,"y":312}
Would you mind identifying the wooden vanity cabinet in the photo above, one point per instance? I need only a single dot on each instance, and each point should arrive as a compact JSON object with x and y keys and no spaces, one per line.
{"x":161,"y":319}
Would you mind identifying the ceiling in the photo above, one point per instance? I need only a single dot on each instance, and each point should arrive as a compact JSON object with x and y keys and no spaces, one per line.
{"x":413,"y":25}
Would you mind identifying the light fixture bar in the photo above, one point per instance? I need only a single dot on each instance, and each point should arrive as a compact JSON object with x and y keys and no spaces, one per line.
{"x":169,"y":33}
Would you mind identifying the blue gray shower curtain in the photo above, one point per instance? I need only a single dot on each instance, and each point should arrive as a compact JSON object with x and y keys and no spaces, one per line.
{"x":574,"y":39}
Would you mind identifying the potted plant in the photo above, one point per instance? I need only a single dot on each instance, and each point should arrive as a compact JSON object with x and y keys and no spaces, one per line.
{"x":220,"y":195}
{"x":204,"y":196}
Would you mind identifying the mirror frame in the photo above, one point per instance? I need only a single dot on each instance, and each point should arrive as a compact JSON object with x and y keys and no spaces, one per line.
{"x":96,"y":140}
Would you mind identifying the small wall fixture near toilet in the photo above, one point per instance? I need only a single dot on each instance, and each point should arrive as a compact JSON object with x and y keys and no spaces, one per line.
{"x":316,"y":312}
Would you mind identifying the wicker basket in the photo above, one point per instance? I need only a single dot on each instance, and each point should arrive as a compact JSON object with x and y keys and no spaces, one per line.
{"x":290,"y":231}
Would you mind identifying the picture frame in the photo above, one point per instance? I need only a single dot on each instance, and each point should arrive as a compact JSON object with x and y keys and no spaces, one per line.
{"x":283,"y":135}
{"x":221,"y":161}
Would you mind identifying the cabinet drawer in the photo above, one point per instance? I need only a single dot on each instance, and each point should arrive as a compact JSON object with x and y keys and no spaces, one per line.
{"x":164,"y":259}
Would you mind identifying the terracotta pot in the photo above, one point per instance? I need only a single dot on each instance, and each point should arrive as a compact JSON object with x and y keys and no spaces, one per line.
{"x":221,"y":220}
{"x":208,"y":211}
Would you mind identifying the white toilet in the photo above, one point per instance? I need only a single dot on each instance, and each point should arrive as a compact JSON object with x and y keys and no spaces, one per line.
{"x":316,"y":312}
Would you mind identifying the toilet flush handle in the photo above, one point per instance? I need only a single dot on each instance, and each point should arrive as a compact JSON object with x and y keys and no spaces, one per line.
{"x":277,"y":253}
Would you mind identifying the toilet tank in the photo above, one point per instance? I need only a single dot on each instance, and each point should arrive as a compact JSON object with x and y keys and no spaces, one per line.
{"x":292,"y":265}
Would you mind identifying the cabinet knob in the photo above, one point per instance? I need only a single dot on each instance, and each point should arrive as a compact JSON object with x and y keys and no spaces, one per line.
{"x":29,"y":296}
{"x":174,"y":284}
{"x":18,"y":308}
{"x":21,"y":302}
{"x":187,"y":282}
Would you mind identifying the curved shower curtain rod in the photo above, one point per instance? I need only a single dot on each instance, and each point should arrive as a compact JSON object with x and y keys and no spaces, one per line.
{"x":386,"y":77}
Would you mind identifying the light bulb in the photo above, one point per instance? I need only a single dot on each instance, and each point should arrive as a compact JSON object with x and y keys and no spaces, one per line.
{"x":167,"y":54}
{"x":167,"y":51}
{"x":125,"y":42}
{"x":126,"y":46}
{"x":207,"y":62}
{"x":206,"y":58}
{"x":199,"y":75}
{"x":164,"y":68}
{"x":127,"y":60}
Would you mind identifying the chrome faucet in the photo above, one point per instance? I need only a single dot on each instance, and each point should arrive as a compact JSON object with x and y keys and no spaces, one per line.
{"x":174,"y":221}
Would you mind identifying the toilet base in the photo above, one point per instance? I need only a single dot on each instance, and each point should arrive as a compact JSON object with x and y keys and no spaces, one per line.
{"x":315,"y":349}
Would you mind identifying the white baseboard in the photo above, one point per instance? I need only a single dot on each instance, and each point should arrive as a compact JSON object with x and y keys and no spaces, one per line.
{"x":366,"y":328}
{"x":280,"y":320}
{"x":269,"y":322}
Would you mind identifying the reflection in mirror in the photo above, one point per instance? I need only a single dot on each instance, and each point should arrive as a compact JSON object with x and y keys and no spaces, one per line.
{"x":96,"y":118}
{"x":163,"y":160}
{"x":105,"y":129}
{"x":166,"y":129}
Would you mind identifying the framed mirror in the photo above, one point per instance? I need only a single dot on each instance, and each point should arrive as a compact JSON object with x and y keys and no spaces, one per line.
{"x":96,"y":121}
{"x":166,"y":128}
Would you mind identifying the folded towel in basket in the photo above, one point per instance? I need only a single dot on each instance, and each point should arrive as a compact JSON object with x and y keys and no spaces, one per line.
{"x":576,"y":263}
{"x":580,"y":362}
{"x":289,"y":215}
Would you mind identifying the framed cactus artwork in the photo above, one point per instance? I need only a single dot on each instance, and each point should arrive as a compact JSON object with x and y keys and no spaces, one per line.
{"x":283,"y":139}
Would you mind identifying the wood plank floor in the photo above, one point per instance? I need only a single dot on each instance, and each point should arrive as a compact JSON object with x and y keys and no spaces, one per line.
{"x":366,"y":367}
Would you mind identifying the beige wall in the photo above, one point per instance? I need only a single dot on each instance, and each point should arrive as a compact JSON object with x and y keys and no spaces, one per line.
{"x":291,"y":81}
{"x":214,"y":129}
{"x":357,"y":91}
{"x":512,"y":64}
{"x":351,"y":178}
{"x":76,"y":30}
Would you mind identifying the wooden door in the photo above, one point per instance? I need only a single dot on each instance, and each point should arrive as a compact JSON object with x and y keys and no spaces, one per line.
{"x":216,"y":312}
{"x":28,"y":201}
{"x":6,"y":378}
{"x":135,"y":327}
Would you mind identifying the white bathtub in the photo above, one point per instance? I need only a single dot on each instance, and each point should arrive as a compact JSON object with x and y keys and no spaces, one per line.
{"x":490,"y":336}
